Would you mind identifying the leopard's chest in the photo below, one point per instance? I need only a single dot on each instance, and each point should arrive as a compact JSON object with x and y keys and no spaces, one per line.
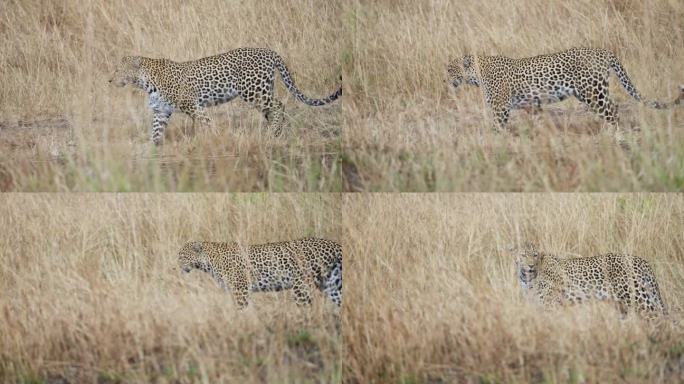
{"x":159,"y":103}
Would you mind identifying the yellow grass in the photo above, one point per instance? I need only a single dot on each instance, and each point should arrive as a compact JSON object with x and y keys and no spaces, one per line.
{"x":63,"y":127}
{"x":407,"y":131}
{"x":90,"y":293}
{"x":432,"y":293}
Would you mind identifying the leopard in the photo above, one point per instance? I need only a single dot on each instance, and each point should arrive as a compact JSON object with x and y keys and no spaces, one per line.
{"x":528,"y":83}
{"x":299,"y":265}
{"x":624,"y":280}
{"x":192,"y":86}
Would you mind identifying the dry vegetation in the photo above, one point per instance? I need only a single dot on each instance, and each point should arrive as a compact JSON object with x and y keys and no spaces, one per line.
{"x":90,"y":293}
{"x":406,"y":131}
{"x":63,"y":127}
{"x":435,"y":296}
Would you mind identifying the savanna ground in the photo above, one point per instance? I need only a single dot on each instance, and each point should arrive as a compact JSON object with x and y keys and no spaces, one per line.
{"x":63,"y":127}
{"x":405,"y":130}
{"x":436,"y":298}
{"x":91,"y":291}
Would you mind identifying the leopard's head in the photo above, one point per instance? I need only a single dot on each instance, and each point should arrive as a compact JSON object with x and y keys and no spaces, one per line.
{"x":192,"y":256}
{"x":129,"y":71}
{"x":527,"y":260}
{"x":462,"y":70}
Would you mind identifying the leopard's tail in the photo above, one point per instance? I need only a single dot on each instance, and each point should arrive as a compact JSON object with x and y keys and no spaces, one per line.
{"x":289,"y":83}
{"x":621,"y":74}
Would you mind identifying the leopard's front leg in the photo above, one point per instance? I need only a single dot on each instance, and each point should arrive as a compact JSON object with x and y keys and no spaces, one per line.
{"x":161,"y":113}
{"x":159,"y":122}
{"x":237,"y":282}
{"x":499,"y":102}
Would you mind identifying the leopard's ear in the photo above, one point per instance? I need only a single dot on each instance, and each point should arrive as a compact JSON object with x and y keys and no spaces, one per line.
{"x":467,"y":61}
{"x":196,"y":246}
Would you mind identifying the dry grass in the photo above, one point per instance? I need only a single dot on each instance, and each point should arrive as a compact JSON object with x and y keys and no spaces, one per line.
{"x":406,"y":131}
{"x":90,"y":294}
{"x":63,"y":127}
{"x":436,"y":299}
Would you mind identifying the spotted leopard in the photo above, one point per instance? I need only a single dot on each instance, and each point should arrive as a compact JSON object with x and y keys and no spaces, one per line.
{"x":528,"y":83}
{"x":299,"y":265}
{"x":192,"y":86}
{"x":625,"y":280}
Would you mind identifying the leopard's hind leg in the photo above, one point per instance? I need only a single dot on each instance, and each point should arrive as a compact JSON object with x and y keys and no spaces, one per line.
{"x":596,"y":96}
{"x":302,"y":288}
{"x":332,"y":286}
{"x":274,"y":112}
{"x":272,"y":109}
{"x":261,"y":96}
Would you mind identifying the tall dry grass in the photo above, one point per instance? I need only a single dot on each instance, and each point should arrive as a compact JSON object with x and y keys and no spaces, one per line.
{"x":89,"y":292}
{"x":434,"y":295}
{"x":63,"y":127}
{"x":407,"y":131}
